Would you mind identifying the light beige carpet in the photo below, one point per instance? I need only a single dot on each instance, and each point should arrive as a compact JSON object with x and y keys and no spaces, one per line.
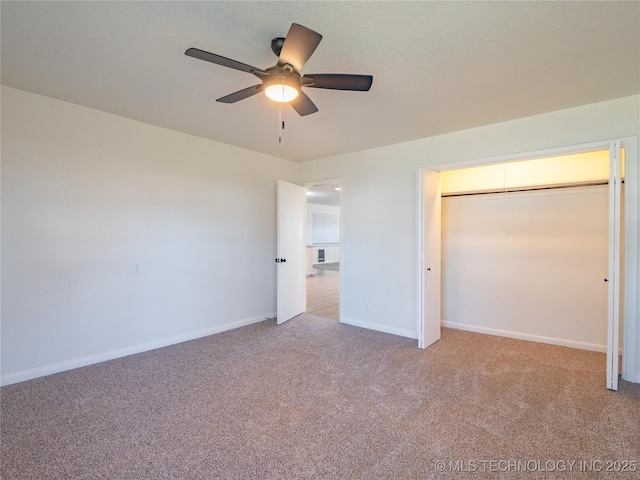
{"x":317,"y":399}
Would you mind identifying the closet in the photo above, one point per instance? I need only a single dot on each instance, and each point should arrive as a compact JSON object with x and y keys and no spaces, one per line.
{"x":525,"y":249}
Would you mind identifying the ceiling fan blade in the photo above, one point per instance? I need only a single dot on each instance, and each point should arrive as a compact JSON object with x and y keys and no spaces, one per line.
{"x":303,"y":105}
{"x":338,"y":81}
{"x":241,"y":94}
{"x":219,"y":60}
{"x":299,"y":45}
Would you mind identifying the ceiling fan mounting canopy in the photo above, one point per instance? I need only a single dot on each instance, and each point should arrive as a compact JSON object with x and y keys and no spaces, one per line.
{"x":276,"y":45}
{"x":292,"y":51}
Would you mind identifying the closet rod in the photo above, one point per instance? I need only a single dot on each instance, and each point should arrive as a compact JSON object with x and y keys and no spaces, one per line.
{"x":527,"y":189}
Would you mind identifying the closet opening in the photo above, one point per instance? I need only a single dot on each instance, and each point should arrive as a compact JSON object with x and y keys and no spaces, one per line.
{"x":523,"y":249}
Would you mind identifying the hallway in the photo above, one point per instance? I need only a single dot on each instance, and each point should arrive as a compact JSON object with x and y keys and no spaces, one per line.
{"x":323,"y":294}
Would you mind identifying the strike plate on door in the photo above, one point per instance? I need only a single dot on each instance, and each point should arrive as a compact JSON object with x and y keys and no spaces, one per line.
{"x":281,"y":260}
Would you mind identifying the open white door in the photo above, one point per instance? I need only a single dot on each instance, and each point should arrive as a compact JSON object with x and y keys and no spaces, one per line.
{"x":291,"y":296}
{"x":430,"y":329}
{"x":614,"y":279}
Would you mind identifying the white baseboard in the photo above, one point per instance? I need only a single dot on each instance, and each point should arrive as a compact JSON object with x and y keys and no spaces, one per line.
{"x":526,"y":336}
{"x":379,"y":328}
{"x":32,"y":373}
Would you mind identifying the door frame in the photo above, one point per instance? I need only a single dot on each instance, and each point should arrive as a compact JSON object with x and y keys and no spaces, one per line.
{"x":630,"y":310}
{"x":333,"y":181}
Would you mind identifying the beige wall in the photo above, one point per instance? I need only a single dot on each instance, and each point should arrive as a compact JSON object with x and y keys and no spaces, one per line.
{"x":87,"y":196}
{"x":380,"y":214}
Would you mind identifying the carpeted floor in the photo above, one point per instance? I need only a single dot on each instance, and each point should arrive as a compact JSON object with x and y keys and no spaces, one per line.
{"x":317,"y":399}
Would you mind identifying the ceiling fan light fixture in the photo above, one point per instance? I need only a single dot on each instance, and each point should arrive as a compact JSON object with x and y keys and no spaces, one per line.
{"x":281,"y":89}
{"x":283,"y":82}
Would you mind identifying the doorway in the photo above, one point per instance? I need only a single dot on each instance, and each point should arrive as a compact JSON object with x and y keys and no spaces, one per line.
{"x":428,"y":259}
{"x":323,"y":252}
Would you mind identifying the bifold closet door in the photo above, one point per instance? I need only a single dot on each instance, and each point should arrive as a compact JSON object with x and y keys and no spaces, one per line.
{"x":429,"y":332}
{"x":614,"y":276}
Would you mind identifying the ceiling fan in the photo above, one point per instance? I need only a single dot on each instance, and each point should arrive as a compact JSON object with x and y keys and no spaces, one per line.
{"x":283,"y":82}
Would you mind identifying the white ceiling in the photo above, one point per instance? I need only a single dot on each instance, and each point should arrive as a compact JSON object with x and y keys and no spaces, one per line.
{"x":438,"y":66}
